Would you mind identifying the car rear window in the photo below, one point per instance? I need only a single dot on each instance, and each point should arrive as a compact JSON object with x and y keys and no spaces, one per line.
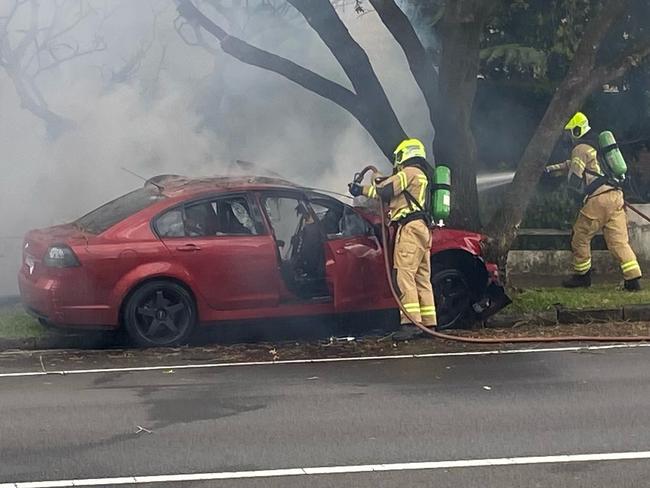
{"x":113,"y":212}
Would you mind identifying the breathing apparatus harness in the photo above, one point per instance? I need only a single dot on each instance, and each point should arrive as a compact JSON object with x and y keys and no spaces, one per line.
{"x":358,"y":178}
{"x":423,"y":212}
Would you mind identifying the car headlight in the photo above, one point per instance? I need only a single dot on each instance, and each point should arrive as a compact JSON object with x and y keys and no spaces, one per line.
{"x":60,"y":256}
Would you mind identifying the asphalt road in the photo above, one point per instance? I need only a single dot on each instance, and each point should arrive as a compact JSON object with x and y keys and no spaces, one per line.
{"x":253,"y":418}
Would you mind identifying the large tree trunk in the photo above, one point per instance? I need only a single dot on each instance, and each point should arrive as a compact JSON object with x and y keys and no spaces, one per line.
{"x":454,"y":145}
{"x":505,"y":224}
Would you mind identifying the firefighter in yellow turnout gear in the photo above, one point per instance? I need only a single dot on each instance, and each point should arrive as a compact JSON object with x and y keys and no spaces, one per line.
{"x":407,"y":193}
{"x":603,"y":209}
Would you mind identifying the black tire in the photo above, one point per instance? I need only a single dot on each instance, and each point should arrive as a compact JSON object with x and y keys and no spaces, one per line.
{"x":453,"y":298}
{"x":160,"y":314}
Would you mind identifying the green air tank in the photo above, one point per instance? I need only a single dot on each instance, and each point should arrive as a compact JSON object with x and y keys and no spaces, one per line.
{"x":441,"y":193}
{"x":612,"y":155}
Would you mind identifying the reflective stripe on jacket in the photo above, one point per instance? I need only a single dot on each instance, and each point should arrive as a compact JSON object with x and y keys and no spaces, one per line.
{"x":391,"y":190}
{"x":582,"y":169}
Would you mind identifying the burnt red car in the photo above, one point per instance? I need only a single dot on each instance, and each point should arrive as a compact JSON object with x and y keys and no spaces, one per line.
{"x":183,"y":252}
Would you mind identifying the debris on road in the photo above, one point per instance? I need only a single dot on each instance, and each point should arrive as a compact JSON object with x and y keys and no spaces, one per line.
{"x":142,"y":429}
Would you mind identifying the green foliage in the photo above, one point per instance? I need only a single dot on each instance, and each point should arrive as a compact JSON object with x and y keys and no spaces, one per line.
{"x":550,"y":30}
{"x":16,"y":324}
{"x":515,"y":57}
{"x":598,"y":296}
{"x":551,"y":209}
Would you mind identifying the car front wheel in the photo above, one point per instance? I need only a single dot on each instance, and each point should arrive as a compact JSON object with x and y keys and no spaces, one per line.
{"x":160,"y":314}
{"x":453,"y":298}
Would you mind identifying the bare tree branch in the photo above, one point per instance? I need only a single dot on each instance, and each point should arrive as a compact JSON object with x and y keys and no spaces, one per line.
{"x":322,"y":17}
{"x":366,"y":106}
{"x":30,"y":34}
{"x":403,"y":32}
{"x":42,"y":46}
{"x":252,"y":55}
{"x":74,"y":52}
{"x":133,"y":64}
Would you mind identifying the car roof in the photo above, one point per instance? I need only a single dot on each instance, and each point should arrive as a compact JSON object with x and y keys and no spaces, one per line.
{"x":176,"y":186}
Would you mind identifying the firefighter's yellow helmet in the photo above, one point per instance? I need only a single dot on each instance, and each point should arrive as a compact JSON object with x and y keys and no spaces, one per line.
{"x":407,"y":149}
{"x":578,"y":125}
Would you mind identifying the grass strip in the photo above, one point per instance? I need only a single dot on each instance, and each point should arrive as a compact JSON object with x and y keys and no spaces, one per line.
{"x":16,"y":324}
{"x":598,"y":296}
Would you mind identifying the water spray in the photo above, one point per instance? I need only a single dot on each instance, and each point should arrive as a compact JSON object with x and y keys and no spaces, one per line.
{"x":358,"y":178}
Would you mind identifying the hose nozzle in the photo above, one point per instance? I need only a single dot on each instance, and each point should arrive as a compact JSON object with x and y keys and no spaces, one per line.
{"x":358,"y":177}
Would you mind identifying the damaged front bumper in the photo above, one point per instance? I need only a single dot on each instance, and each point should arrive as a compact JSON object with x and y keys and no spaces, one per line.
{"x":494,"y":297}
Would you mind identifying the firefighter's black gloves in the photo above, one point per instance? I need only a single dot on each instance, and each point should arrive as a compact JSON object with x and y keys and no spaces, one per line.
{"x":355,"y":189}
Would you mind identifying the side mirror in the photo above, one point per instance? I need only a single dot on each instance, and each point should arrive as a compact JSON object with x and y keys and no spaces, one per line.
{"x":280,"y":244}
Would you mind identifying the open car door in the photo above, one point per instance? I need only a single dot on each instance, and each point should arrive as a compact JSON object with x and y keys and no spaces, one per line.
{"x":353,"y":257}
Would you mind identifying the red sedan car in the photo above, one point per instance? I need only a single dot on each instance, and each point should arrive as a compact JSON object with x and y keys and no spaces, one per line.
{"x":183,"y":252}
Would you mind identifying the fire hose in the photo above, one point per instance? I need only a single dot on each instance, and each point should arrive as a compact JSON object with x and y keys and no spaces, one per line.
{"x":358,"y":178}
{"x":637,"y":211}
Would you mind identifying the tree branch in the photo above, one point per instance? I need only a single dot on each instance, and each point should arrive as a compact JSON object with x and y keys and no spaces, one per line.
{"x":595,"y":31}
{"x":420,"y":65}
{"x":260,"y":58}
{"x":322,"y":17}
{"x":614,"y":71}
{"x":74,"y":52}
{"x":41,"y":47}
{"x":369,"y":106}
{"x":31,"y":33}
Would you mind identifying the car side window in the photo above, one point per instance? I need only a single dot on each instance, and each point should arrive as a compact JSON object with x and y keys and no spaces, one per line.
{"x":329,"y":217}
{"x":353,"y":224}
{"x":170,"y":224}
{"x":226,"y":216}
{"x":288,"y":217}
{"x":338,"y":220}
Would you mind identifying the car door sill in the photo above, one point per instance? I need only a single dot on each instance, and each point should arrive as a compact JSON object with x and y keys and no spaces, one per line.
{"x":312,"y":300}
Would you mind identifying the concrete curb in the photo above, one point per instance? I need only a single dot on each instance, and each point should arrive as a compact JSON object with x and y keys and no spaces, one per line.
{"x":627,"y":313}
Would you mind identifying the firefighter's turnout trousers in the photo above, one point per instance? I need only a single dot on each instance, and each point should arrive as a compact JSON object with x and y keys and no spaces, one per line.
{"x":412,"y":262}
{"x":604,"y":212}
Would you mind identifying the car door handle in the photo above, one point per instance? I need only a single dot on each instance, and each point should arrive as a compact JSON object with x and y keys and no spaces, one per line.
{"x":188,"y":248}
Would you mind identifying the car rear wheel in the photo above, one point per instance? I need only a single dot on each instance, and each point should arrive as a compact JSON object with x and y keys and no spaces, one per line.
{"x":160,"y":313}
{"x":453,"y":297}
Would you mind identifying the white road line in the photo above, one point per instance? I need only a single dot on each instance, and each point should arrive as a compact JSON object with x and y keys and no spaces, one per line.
{"x":327,"y":470}
{"x":327,"y":360}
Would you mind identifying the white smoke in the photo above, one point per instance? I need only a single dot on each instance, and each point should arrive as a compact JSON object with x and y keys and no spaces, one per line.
{"x":189,"y":112}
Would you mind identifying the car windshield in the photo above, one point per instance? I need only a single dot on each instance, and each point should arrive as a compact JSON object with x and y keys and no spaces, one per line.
{"x":113,"y":212}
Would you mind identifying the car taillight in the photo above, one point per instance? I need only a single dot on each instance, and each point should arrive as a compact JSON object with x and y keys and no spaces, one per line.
{"x":60,"y":256}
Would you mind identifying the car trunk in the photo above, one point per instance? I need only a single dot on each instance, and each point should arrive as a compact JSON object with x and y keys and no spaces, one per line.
{"x":38,"y":241}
